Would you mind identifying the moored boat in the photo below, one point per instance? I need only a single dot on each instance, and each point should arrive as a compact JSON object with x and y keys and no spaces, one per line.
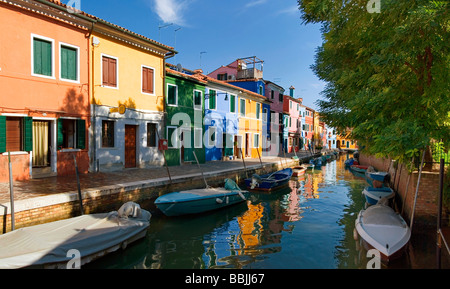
{"x":92,"y":236}
{"x":201,"y":200}
{"x":299,"y":170}
{"x":381,"y":228}
{"x":269,"y":181}
{"x":373,"y":195}
{"x":359,"y":169}
{"x":377,"y":176}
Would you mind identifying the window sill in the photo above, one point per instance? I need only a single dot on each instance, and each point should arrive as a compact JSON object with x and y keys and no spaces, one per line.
{"x":15,"y":153}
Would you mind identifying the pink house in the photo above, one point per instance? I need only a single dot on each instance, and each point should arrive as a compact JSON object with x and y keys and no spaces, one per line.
{"x":293,"y":122}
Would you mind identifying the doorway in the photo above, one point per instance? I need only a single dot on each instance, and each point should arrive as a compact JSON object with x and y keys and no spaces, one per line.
{"x":130,"y":146}
{"x":248,"y":144}
{"x":43,"y":161}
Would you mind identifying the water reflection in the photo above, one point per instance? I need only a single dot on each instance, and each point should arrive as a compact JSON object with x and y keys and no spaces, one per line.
{"x":307,"y":224}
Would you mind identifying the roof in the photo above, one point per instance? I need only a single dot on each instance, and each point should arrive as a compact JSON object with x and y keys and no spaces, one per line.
{"x":57,"y":4}
{"x":193,"y":77}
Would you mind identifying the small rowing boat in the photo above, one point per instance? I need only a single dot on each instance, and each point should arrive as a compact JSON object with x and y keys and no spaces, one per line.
{"x":269,"y":181}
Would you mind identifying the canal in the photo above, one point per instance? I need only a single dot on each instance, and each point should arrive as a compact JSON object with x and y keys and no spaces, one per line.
{"x":306,"y":225}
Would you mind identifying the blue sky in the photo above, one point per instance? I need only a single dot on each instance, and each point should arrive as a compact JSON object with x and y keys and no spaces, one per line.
{"x":226,"y":30}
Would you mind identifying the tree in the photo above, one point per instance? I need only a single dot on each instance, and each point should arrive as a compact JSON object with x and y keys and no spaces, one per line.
{"x":387,"y":73}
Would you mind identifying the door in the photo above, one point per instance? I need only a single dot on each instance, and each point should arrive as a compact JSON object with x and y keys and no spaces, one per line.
{"x":41,"y":143}
{"x":247,"y":144}
{"x":130,"y":146}
{"x":237,"y":146}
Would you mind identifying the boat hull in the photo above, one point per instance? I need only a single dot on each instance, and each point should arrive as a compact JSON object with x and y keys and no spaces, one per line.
{"x":377,"y":176}
{"x":267,"y":183}
{"x":298,"y":171}
{"x":373,"y":195}
{"x":384,"y":230}
{"x":198,"y":201}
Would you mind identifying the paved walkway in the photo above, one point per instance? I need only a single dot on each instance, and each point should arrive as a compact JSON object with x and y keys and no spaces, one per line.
{"x":55,"y":185}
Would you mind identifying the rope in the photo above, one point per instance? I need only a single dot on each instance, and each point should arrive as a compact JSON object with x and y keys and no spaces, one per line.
{"x":443,"y":239}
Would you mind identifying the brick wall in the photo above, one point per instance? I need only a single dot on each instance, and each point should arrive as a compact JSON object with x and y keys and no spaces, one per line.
{"x":426,"y":206}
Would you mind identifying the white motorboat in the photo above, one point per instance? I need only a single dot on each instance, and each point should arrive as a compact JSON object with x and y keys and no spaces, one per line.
{"x":381,"y":228}
{"x":55,"y":244}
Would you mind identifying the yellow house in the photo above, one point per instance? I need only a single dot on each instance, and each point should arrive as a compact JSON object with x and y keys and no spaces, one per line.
{"x":127,"y":98}
{"x":250,"y":128}
{"x":345,"y":143}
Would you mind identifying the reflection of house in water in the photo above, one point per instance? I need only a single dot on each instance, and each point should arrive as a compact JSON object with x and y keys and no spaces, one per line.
{"x":251,"y":228}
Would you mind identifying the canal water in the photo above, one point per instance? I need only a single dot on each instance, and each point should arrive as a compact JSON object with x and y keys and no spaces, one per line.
{"x":308,"y":224}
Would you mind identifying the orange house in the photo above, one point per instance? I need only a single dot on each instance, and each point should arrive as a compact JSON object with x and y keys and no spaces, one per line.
{"x":44,"y":100}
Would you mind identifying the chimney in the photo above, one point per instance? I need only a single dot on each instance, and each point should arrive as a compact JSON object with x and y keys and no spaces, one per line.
{"x":291,"y":91}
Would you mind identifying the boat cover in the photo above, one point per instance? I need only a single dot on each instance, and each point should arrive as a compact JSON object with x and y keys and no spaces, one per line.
{"x":49,"y":243}
{"x":383,"y":228}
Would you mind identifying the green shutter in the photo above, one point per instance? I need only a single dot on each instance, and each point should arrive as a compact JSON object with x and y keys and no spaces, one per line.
{"x":27,"y":134}
{"x":2,"y":134}
{"x":212,"y":99}
{"x":68,"y":63}
{"x":233,"y":103}
{"x":60,"y":136}
{"x":81,"y":134}
{"x":42,"y":57}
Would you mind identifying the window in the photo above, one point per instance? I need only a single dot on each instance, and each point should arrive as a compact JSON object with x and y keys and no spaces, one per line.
{"x":256,"y":140}
{"x":16,"y":134}
{"x":212,"y":99}
{"x":172,"y":95}
{"x":290,"y":104}
{"x":152,"y":135}
{"x":242,"y":107}
{"x":108,"y":133}
{"x":223,"y":76}
{"x":280,"y":97}
{"x":198,"y":138}
{"x":109,"y":71}
{"x":280,"y":118}
{"x":71,"y":133}
{"x":258,"y":111}
{"x":212,"y":136}
{"x":172,"y":137}
{"x":69,"y":62}
{"x":233,"y":103}
{"x":261,"y":90}
{"x":148,"y":80}
{"x":42,"y":56}
{"x":197,"y":99}
{"x":265,"y":114}
{"x":272,"y":94}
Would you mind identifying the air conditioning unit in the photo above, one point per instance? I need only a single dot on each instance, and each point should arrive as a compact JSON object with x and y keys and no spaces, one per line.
{"x":231,"y":77}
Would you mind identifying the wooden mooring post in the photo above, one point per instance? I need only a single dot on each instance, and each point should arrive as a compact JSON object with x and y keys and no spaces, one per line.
{"x":11,"y":192}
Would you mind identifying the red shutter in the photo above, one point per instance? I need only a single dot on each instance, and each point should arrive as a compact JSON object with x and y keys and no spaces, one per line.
{"x":147,"y":80}
{"x":109,"y":71}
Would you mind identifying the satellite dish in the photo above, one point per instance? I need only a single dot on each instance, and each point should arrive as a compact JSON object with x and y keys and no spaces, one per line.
{"x":179,"y":67}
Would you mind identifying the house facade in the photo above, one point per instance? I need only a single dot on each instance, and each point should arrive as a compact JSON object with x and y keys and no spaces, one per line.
{"x":127,"y":98}
{"x":44,"y":107}
{"x":293,"y":123}
{"x":309,"y":127}
{"x":185,"y":92}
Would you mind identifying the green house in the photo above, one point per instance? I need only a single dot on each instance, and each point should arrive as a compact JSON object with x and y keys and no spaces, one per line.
{"x":185,"y":92}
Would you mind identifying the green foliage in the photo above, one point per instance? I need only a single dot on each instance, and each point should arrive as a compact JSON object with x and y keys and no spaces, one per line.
{"x":387,"y":73}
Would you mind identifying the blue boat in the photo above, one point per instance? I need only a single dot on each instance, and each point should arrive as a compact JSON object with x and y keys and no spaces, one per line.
{"x":269,"y":181}
{"x":378,"y":176}
{"x":373,"y":195}
{"x":201,"y":200}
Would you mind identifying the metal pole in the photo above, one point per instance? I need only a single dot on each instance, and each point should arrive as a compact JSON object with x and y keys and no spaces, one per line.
{"x":260,"y":161}
{"x":198,"y":164}
{"x":11,"y":193}
{"x":165,"y":161}
{"x":439,"y":216}
{"x":245,"y":168}
{"x":417,"y":191}
{"x":78,"y":185}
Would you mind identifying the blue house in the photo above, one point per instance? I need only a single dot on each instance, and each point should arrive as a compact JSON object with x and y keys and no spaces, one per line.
{"x":221,"y":120}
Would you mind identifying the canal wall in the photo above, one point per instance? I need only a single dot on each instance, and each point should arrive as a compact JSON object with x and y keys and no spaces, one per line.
{"x":54,"y":207}
{"x":426,"y":210}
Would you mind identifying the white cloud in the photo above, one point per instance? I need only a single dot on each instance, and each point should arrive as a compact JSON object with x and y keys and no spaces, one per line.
{"x":255,"y":3}
{"x":171,"y":11}
{"x":289,"y":10}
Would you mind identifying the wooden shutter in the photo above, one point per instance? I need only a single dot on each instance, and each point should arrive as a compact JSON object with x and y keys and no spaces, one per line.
{"x":2,"y":134}
{"x":233,"y":103}
{"x":69,"y":63}
{"x":147,"y":80}
{"x":60,"y":135}
{"x":81,"y":134}
{"x":42,"y":57}
{"x":28,"y":134}
{"x":109,"y":71}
